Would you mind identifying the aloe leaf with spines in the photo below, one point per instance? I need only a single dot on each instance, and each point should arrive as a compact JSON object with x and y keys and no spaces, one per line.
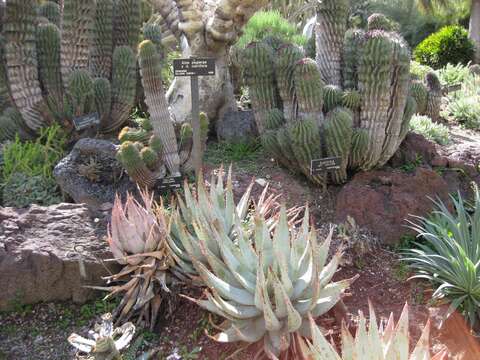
{"x":48,"y":43}
{"x":259,"y":76}
{"x":285,"y":60}
{"x":160,"y":117}
{"x":51,"y":11}
{"x":124,"y":81}
{"x":21,"y":64}
{"x":265,"y":284}
{"x":102,"y":40}
{"x":338,"y":132}
{"x":330,"y":31}
{"x":309,"y":90}
{"x":373,"y":341}
{"x":77,"y":32}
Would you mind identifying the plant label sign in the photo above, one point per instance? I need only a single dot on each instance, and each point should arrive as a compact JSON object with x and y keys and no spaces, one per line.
{"x":86,"y":121}
{"x":321,"y":166}
{"x":194,"y":67}
{"x":170,"y":183}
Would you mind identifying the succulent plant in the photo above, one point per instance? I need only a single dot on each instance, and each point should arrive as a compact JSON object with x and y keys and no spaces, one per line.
{"x":102,"y":40}
{"x":107,"y":342}
{"x":51,"y":11}
{"x":379,"y":22}
{"x":263,"y":285}
{"x":309,"y":90}
{"x":127,"y":23}
{"x":137,"y":238}
{"x":332,"y":97}
{"x":374,"y":342}
{"x":434,"y":96}
{"x":420,"y":93}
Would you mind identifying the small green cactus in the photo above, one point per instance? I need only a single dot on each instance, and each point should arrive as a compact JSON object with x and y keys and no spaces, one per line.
{"x":434,"y":102}
{"x":127,"y":23}
{"x":102,"y":93}
{"x":309,"y":90}
{"x":80,"y":92}
{"x":358,"y":149}
{"x":130,"y":156}
{"x":420,"y":93}
{"x":50,"y":10}
{"x":102,"y":43}
{"x":134,"y":135}
{"x":332,"y":97}
{"x":352,"y":99}
{"x":275,"y":119}
{"x":379,"y":22}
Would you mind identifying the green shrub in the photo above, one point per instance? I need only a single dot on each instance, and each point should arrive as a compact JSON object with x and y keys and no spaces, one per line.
{"x":449,"y":255}
{"x":23,"y":190}
{"x":454,"y":74}
{"x":267,"y":23}
{"x":34,"y":158}
{"x":423,"y":125}
{"x":465,"y":111}
{"x":449,"y":45}
{"x":418,"y":70}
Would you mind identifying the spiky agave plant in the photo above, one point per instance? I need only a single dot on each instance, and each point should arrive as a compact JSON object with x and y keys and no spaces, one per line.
{"x":137,"y":238}
{"x":373,"y":342}
{"x":195,"y":210}
{"x":264,"y":283}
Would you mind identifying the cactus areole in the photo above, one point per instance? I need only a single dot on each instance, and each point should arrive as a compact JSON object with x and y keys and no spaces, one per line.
{"x":194,"y":68}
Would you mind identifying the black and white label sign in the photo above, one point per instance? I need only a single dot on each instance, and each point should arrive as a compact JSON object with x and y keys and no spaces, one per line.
{"x":194,"y":67}
{"x":86,"y":121}
{"x":321,"y":166}
{"x":170,"y":183}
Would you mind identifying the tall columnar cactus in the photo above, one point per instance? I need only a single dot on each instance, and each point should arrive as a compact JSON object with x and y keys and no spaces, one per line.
{"x":124,"y":81}
{"x":77,"y":31}
{"x":102,"y":92}
{"x":21,"y":64}
{"x":260,"y":77}
{"x":127,"y":23}
{"x":51,"y":11}
{"x":420,"y":93}
{"x":358,"y":149}
{"x":161,"y":119}
{"x":309,"y":89}
{"x":79,"y":92}
{"x":351,"y":53}
{"x":285,"y":60}
{"x":102,"y":44}
{"x":338,"y":140}
{"x":330,"y":31}
{"x":332,"y":97}
{"x":434,"y":101}
{"x":48,"y":55}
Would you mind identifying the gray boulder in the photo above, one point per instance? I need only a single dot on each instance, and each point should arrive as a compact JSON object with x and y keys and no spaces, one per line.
{"x":237,"y":126}
{"x":50,"y":254}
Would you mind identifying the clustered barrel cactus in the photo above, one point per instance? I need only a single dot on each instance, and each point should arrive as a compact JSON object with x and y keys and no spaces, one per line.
{"x":353,"y":103}
{"x":157,"y":146}
{"x":428,"y":95}
{"x":59,"y":62}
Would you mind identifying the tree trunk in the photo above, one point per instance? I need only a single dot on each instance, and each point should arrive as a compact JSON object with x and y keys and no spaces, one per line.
{"x":475,"y":28}
{"x":216,"y":92}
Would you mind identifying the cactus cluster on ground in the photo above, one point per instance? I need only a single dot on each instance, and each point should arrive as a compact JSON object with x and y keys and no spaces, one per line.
{"x":354,"y":103}
{"x":59,"y":62}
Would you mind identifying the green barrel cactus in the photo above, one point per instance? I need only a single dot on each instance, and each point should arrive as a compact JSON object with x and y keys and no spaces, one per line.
{"x":102,"y":94}
{"x":352,"y":99}
{"x":358,"y":149}
{"x":48,"y":55}
{"x":434,"y":101}
{"x":351,"y":54}
{"x":338,"y":132}
{"x":379,"y":22}
{"x":420,"y":93}
{"x":124,"y":81}
{"x":332,"y":97}
{"x":50,"y":10}
{"x":102,"y":43}
{"x":259,"y":76}
{"x":309,"y":90}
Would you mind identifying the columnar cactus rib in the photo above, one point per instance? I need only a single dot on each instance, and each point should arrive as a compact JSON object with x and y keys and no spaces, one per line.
{"x":351,"y":54}
{"x":102,"y":44}
{"x":21,"y":63}
{"x":434,"y":96}
{"x":285,"y":60}
{"x":48,"y":55}
{"x":124,"y":81}
{"x":338,"y":131}
{"x":332,"y":97}
{"x":374,"y":76}
{"x":161,"y":119}
{"x":78,"y":22}
{"x":127,"y":23}
{"x":51,"y":11}
{"x":102,"y":92}
{"x":309,"y":89}
{"x":358,"y":151}
{"x":330,"y":31}
{"x":420,"y":93}
{"x":80,"y":92}
{"x":259,"y":76}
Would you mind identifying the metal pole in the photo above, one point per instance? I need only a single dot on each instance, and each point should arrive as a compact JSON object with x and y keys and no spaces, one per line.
{"x":197,"y":145}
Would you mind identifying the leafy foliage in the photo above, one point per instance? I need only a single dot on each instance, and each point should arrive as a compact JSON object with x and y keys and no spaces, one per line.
{"x":418,"y":70}
{"x":423,"y":125}
{"x":450,"y":44}
{"x":267,"y":23}
{"x":465,"y":111}
{"x":450,"y":254}
{"x":454,"y":74}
